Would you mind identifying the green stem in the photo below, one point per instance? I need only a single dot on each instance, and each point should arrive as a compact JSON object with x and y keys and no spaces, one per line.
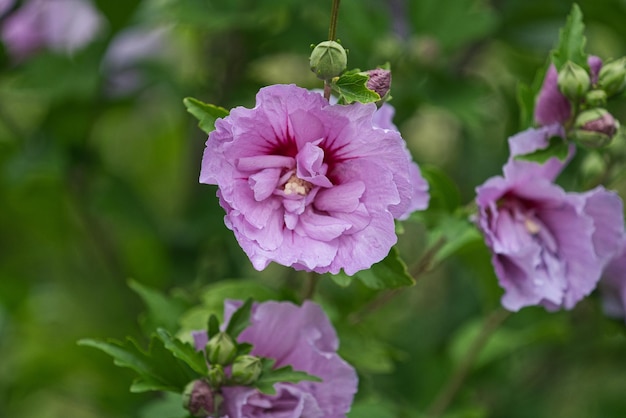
{"x":334,"y":14}
{"x":455,"y":382}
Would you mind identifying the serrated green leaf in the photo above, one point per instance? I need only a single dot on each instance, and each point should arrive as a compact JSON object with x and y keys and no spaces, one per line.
{"x":162,"y":310}
{"x":240,"y":319}
{"x":157,"y":367}
{"x":270,"y":376}
{"x":183,"y":351}
{"x":352,"y":87}
{"x":557,"y":147}
{"x":214,"y":326}
{"x":572,"y":41}
{"x":206,"y":113}
{"x":390,"y":273}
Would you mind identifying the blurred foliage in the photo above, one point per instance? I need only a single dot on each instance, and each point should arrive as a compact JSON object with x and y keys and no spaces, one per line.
{"x":99,"y":186}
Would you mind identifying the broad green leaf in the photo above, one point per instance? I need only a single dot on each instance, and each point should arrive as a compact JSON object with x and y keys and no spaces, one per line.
{"x":240,"y":319}
{"x":270,"y":376}
{"x":390,"y":273}
{"x":557,"y":147}
{"x":351,"y":87}
{"x":206,"y":113}
{"x":163,"y":311}
{"x":572,"y":41}
{"x":157,"y":367}
{"x":183,"y":351}
{"x":214,"y":326}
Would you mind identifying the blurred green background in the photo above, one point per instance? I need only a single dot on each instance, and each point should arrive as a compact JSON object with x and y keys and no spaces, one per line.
{"x":98,"y":185}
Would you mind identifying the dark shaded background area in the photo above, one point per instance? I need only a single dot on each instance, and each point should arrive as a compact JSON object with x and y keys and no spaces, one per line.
{"x":99,"y":186}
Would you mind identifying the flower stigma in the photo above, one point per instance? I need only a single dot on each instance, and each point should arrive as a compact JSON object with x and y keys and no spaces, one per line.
{"x":296,"y":185}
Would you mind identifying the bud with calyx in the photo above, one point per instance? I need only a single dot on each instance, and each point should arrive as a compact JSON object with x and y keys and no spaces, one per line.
{"x":216,"y":376}
{"x":221,"y":349}
{"x":379,"y":81}
{"x":596,"y":98}
{"x":594,"y":128}
{"x":573,"y":81}
{"x":328,"y":60}
{"x":612,"y":77}
{"x":198,"y":398}
{"x":246,"y":369}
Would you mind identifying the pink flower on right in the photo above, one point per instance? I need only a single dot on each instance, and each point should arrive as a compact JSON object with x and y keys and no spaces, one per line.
{"x":613,"y":286}
{"x":549,"y":247}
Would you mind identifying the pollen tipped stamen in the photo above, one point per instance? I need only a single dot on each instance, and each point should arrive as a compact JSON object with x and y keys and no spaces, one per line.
{"x":296,"y":185}
{"x":531,"y":226}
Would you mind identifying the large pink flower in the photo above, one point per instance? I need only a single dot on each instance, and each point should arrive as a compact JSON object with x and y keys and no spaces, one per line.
{"x":310,"y":185}
{"x":304,"y":338}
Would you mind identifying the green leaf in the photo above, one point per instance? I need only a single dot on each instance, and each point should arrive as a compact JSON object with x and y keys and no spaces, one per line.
{"x":240,"y":319}
{"x":214,"y":326}
{"x":183,"y":351}
{"x":162,"y":310}
{"x":270,"y":376}
{"x":390,"y":273}
{"x":157,"y":367}
{"x":572,"y":41}
{"x":206,"y":113}
{"x":557,"y":147}
{"x":444,"y":193}
{"x":341,"y":279}
{"x":456,"y":232}
{"x":351,"y":87}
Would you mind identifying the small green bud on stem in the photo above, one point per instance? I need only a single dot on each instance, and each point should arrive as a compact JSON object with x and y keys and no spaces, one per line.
{"x":595,"y":128}
{"x":612,"y":77}
{"x":221,"y":349}
{"x":573,"y":81}
{"x":328,"y":59}
{"x":246,"y":369}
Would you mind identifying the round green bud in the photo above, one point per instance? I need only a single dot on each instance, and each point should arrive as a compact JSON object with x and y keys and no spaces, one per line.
{"x":246,"y":369}
{"x":221,"y":349}
{"x":573,"y":81}
{"x":594,"y":128}
{"x":612,"y":77}
{"x":596,"y":98}
{"x":198,"y":398}
{"x":328,"y":59}
{"x":216,"y":376}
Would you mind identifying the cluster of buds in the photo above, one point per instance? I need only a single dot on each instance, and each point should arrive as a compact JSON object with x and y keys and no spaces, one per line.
{"x":594,"y":126}
{"x":201,"y":397}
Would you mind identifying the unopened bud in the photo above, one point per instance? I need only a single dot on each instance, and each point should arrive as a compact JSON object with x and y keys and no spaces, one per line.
{"x":216,"y":376}
{"x":612,"y":77}
{"x":596,"y":98}
{"x":595,"y":128}
{"x":221,"y":349}
{"x":573,"y":81}
{"x":198,"y":398}
{"x":246,"y":369}
{"x":379,"y":81}
{"x":328,"y":59}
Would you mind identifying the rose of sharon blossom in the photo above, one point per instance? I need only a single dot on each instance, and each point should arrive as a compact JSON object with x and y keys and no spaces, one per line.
{"x":300,"y":336}
{"x":552,"y":106}
{"x":60,"y":25}
{"x":310,"y":185}
{"x":613,"y":286}
{"x":549,"y":247}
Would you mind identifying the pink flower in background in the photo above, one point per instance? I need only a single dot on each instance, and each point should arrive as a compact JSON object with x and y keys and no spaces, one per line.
{"x":310,"y":185}
{"x":548,"y":247}
{"x":300,"y":336}
{"x":5,"y":5}
{"x":60,"y":25}
{"x":613,"y":286}
{"x":552,"y":106}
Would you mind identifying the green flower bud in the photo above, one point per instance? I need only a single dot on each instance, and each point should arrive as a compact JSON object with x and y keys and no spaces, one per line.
{"x":573,"y":81}
{"x":595,"y":128}
{"x":596,"y":98}
{"x":198,"y":398}
{"x":612,"y":77}
{"x":221,"y":349}
{"x":246,"y":369}
{"x":216,"y":376}
{"x":328,"y":59}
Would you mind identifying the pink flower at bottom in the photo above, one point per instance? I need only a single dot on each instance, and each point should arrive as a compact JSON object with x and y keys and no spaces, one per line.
{"x":300,"y":336}
{"x":311,"y":185}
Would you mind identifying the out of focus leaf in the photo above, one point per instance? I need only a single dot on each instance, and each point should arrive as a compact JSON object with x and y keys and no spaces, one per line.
{"x":183,"y":351}
{"x":206,"y":113}
{"x":572,"y":41}
{"x":444,"y":193}
{"x":214,"y":326}
{"x":373,"y":408}
{"x":170,"y":405}
{"x":364,"y":351}
{"x":240,"y":319}
{"x":454,"y":232}
{"x":390,"y":273}
{"x":351,"y":87}
{"x":270,"y":376}
{"x":162,"y":311}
